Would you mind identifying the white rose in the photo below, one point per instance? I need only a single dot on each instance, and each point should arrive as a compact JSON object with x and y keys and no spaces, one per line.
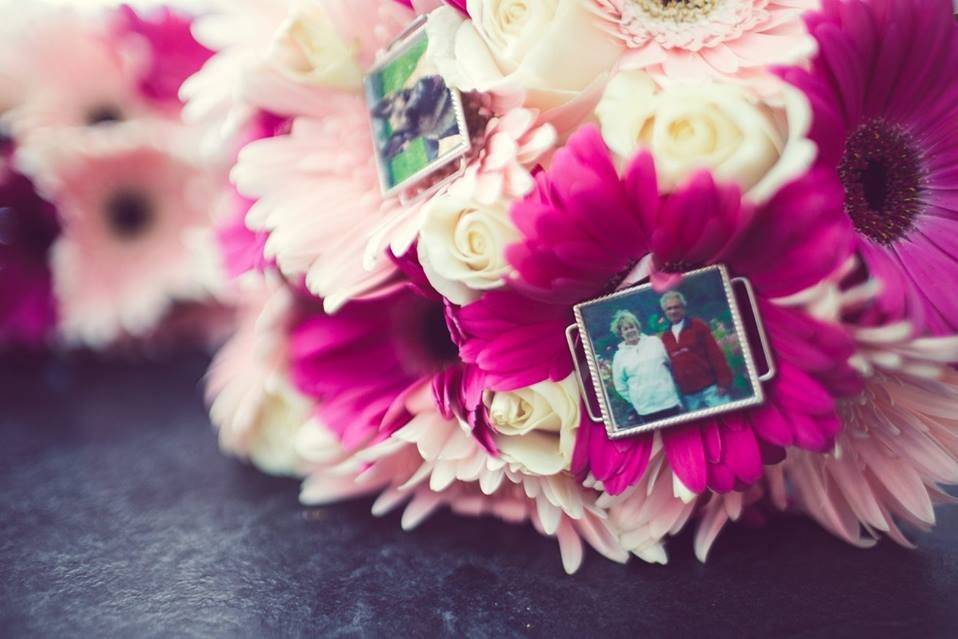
{"x":462,"y":245}
{"x":272,"y":441}
{"x":723,"y":128}
{"x":551,"y":49}
{"x":536,"y":426}
{"x":308,"y":49}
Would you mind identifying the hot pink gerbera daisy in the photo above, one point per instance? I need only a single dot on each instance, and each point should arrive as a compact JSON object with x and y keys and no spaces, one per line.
{"x":696,"y":39}
{"x":586,"y":230}
{"x":242,"y":249}
{"x":887,"y":120}
{"x":28,"y":228}
{"x":403,"y":413}
{"x":170,"y":53}
{"x":361,"y":361}
{"x":128,"y":201}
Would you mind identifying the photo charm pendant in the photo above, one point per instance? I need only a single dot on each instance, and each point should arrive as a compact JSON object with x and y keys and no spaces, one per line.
{"x":418,"y":122}
{"x":661,"y":358}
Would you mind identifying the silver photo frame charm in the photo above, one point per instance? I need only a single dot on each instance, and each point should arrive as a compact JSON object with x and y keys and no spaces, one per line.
{"x":418,"y":122}
{"x":657,"y":359}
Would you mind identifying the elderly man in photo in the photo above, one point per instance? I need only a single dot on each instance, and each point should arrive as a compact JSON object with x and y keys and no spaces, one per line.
{"x":698,"y":363}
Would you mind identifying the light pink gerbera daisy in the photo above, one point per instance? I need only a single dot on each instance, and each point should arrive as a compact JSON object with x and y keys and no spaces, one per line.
{"x":274,"y":56}
{"x":900,"y":445}
{"x":698,"y":39}
{"x":128,"y":201}
{"x":239,"y":32}
{"x":432,"y":462}
{"x":645,"y":516}
{"x":78,"y":75}
{"x":253,"y":404}
{"x":509,"y":146}
{"x":316,"y":193}
{"x":317,"y":196}
{"x":316,"y":190}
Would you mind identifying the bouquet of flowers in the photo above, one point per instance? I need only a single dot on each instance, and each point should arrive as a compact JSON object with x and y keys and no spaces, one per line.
{"x":610,"y":268}
{"x":106,"y":233}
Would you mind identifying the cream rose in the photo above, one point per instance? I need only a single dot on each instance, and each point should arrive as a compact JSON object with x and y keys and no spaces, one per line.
{"x":536,"y":426}
{"x":462,"y":245}
{"x":552,"y":50}
{"x":308,"y":49}
{"x":723,"y":128}
{"x":272,"y":441}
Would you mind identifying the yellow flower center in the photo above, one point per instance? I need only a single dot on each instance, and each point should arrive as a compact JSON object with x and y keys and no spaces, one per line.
{"x":675,"y":10}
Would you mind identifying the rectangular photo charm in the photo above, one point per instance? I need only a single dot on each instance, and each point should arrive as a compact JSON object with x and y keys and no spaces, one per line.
{"x":661,"y":358}
{"x":418,"y":122}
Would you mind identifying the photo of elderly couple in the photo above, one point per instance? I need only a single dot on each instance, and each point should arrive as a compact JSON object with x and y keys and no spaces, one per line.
{"x":662,"y":355}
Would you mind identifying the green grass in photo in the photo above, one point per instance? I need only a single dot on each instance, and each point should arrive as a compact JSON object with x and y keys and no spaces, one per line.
{"x":395,"y":74}
{"x":409,"y":162}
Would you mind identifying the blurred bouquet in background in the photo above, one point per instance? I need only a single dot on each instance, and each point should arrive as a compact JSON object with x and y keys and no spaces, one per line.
{"x":109,"y":209}
{"x":406,"y":204}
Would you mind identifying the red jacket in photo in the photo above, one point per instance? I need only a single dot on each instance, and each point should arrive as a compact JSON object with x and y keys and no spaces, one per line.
{"x":697,"y":360}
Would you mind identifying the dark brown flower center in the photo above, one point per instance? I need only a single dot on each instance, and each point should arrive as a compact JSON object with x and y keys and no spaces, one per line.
{"x":129,"y":214}
{"x":678,"y":267}
{"x":103,"y":114}
{"x":882,"y":173}
{"x":425,"y":346}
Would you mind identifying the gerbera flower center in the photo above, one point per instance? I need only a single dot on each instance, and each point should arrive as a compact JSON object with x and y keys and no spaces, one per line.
{"x":677,"y":266}
{"x":103,"y":114}
{"x":675,"y":10}
{"x":129,"y":214}
{"x":423,"y":340}
{"x":882,"y":173}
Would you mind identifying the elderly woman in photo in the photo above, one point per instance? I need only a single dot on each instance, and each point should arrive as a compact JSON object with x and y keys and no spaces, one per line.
{"x":640,"y":371}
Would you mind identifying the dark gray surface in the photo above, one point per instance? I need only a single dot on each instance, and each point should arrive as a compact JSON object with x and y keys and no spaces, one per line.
{"x":118,"y":517}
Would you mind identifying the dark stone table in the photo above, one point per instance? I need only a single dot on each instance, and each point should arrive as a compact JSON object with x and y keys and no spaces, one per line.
{"x":118,"y":517}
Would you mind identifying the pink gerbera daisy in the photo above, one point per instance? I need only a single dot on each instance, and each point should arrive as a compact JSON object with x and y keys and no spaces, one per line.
{"x":886,"y":119}
{"x":402,"y":410}
{"x":170,"y":54}
{"x":586,"y":230}
{"x":78,"y":75}
{"x":361,"y":361}
{"x":252,"y":402}
{"x":696,"y":39}
{"x":240,"y":33}
{"x":128,"y":201}
{"x":316,"y":193}
{"x":899,"y":448}
{"x":431,"y":463}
